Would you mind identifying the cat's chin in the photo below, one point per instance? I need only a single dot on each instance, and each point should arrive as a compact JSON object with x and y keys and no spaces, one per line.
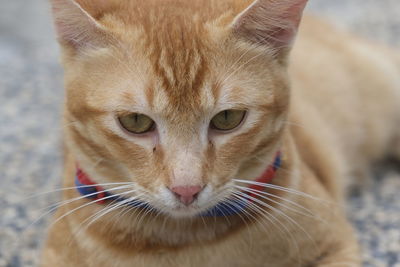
{"x":183,"y":212}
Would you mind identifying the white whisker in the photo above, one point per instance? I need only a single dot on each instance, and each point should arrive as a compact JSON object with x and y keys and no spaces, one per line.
{"x":72,"y":188}
{"x":277,"y":187}
{"x":76,"y":232}
{"x":265,"y":195}
{"x":65,"y":202}
{"x":61,"y":203}
{"x":281,"y":213}
{"x":90,"y":203}
{"x":110,"y":209}
{"x":271,"y":218}
{"x":229,"y":201}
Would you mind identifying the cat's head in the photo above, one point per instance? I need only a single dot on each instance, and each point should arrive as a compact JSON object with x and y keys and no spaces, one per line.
{"x":178,"y":97}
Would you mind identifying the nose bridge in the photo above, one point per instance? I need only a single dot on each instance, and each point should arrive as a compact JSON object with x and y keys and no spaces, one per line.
{"x":186,"y":164}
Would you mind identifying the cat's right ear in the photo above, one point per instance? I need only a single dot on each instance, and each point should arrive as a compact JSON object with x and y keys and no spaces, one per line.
{"x":270,"y":22}
{"x":75,"y":26}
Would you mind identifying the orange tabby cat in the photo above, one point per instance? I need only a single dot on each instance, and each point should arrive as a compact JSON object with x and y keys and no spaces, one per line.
{"x":199,"y":142}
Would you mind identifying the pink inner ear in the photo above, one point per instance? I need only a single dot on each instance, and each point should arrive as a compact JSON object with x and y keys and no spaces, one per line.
{"x":293,"y":17}
{"x":273,"y":22}
{"x":73,"y":24}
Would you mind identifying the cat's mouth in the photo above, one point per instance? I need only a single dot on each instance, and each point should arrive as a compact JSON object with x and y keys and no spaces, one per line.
{"x":223,"y":208}
{"x":182,"y":211}
{"x":208,"y":204}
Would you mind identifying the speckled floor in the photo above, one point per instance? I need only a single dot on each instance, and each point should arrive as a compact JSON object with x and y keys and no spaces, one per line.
{"x":31,"y":94}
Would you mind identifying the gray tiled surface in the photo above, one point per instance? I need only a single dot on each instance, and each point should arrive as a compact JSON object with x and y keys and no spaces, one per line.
{"x":31,"y":94}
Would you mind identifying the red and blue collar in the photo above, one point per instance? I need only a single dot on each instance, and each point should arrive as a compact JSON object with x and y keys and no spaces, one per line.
{"x":86,"y":187}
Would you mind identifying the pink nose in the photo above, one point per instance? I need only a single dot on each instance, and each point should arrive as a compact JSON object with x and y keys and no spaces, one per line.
{"x":186,"y":194}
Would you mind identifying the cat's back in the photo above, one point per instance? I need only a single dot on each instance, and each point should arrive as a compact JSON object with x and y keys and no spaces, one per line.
{"x":320,"y":44}
{"x":349,"y":85}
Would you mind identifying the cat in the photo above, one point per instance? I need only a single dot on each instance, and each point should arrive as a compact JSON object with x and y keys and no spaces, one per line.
{"x":205,"y":133}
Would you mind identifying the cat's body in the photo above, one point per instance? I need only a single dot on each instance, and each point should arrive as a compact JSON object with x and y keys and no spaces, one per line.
{"x":343,"y":115}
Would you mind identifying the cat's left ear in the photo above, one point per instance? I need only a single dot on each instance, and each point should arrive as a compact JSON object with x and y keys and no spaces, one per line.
{"x":271,"y":22}
{"x":74,"y":24}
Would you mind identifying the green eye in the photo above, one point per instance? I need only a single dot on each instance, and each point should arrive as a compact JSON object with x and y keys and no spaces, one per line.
{"x":137,"y":123}
{"x":227,"y":120}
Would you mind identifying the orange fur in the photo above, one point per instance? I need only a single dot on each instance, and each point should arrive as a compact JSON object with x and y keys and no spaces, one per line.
{"x":331,"y":111}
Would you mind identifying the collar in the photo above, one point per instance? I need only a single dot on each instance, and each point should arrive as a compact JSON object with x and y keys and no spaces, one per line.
{"x":86,"y":187}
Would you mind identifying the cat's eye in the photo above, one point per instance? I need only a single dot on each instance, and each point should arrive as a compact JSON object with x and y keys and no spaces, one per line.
{"x":227,"y":120}
{"x":137,"y":123}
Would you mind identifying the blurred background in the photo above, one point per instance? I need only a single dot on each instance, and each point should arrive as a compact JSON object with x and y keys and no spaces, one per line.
{"x":31,"y":95}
